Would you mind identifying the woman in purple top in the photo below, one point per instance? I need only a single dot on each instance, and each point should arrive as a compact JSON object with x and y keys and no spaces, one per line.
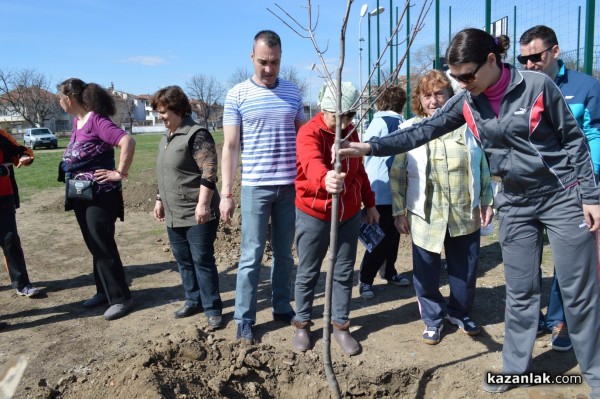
{"x":90,"y":156}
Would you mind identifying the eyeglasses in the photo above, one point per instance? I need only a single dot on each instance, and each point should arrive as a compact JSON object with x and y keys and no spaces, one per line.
{"x":468,"y":77}
{"x":346,"y":115}
{"x":532,"y":57}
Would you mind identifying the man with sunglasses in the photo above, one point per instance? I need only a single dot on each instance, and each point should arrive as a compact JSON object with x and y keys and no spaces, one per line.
{"x":540,"y":52}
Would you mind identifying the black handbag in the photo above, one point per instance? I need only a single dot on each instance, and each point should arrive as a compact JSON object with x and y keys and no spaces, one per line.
{"x":82,"y":190}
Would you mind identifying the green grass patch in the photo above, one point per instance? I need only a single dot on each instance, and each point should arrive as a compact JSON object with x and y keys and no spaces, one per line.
{"x":43,"y":172}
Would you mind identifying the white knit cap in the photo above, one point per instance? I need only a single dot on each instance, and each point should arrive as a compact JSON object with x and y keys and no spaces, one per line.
{"x":327,"y":100}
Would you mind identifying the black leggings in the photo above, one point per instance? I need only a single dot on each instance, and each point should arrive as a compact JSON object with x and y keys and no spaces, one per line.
{"x":11,"y":246}
{"x":97,"y":223}
{"x":383,"y":255}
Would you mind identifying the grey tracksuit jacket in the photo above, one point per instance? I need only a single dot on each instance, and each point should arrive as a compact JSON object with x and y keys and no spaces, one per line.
{"x":539,"y":151}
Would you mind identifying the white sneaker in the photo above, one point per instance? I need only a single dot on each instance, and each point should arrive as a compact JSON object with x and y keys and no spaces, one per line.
{"x":28,"y":291}
{"x":118,"y":310}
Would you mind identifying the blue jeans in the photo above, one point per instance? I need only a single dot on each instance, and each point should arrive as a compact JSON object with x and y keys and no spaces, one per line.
{"x":556,"y":313}
{"x":193,"y":248}
{"x":258,"y":205}
{"x":312,"y":242}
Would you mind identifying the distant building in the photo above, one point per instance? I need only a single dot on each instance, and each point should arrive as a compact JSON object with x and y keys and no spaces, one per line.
{"x":134,"y":114}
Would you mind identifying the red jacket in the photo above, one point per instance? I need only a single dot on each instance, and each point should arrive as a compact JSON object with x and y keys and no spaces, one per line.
{"x":10,"y":152}
{"x":313,"y":161}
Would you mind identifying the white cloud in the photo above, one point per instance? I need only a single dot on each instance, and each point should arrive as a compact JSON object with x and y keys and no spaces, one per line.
{"x":148,"y":60}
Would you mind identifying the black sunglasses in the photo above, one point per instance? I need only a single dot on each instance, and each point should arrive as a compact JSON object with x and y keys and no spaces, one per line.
{"x":537,"y":57}
{"x":467,"y":77}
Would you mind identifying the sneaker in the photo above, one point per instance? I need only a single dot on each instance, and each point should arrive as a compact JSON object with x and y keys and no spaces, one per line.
{"x":118,"y":310}
{"x":500,"y":388}
{"x":468,"y":326}
{"x":284,"y":317}
{"x":28,"y":291}
{"x":541,"y":327}
{"x":366,"y":291}
{"x":399,"y":280}
{"x":244,"y":331}
{"x":560,"y":338}
{"x":432,"y":335}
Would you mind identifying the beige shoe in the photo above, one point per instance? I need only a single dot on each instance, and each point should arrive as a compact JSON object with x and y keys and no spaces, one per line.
{"x":301,"y":340}
{"x":347,"y":344}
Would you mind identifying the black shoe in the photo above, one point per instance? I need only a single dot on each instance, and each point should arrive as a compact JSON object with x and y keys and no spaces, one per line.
{"x":286,"y":318}
{"x":96,"y":300}
{"x":215,"y":321}
{"x":187,"y":311}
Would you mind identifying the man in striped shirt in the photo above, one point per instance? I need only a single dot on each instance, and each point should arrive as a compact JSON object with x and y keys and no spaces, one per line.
{"x":261,"y":118}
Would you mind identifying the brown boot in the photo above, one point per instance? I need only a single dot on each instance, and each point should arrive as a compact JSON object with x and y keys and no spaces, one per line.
{"x":301,"y":339}
{"x":347,"y":344}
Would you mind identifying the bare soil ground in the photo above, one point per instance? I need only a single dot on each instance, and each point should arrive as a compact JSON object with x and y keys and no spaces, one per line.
{"x":75,"y":353}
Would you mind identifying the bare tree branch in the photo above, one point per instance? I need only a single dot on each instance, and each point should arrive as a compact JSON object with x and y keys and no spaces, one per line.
{"x":238,"y":76}
{"x":27,"y":93}
{"x":208,"y":91}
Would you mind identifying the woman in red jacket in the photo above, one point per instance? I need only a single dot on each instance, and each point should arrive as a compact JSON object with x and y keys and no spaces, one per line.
{"x":315,"y":183}
{"x":11,"y":153}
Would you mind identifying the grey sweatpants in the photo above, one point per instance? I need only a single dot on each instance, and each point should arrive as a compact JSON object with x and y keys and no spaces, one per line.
{"x":312,"y":243}
{"x":575,"y":254}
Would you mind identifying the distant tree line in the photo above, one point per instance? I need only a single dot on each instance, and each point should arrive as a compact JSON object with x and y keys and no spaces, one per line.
{"x":31,"y":96}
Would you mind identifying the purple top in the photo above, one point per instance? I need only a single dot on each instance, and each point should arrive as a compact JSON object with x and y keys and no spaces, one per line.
{"x":93,"y":145}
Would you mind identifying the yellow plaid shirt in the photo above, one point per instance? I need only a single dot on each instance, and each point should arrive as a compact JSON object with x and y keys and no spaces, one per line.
{"x":447,"y":203}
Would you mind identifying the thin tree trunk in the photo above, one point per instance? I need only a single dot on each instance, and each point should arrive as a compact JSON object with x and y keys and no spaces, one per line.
{"x":333,"y":234}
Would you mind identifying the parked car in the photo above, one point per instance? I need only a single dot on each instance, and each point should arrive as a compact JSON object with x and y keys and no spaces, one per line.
{"x":40,"y":137}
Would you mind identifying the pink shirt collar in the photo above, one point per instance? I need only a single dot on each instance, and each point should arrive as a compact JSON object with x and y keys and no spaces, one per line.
{"x":495,"y":92}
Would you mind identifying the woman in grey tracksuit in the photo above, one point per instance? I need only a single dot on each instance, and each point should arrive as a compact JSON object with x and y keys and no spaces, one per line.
{"x":535,"y":146}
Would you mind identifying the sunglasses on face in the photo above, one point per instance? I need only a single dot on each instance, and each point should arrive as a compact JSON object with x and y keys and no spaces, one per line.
{"x":537,"y":57}
{"x":348,"y":115}
{"x":467,"y":77}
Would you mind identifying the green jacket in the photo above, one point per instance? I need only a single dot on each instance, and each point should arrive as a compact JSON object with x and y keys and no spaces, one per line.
{"x":179,"y":177}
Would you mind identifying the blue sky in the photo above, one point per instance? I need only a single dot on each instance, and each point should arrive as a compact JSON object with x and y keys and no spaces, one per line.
{"x":142,"y":46}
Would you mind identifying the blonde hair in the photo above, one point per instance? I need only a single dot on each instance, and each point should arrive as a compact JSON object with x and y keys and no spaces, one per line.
{"x":433,"y":79}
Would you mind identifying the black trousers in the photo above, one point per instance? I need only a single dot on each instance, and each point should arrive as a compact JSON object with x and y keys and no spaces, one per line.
{"x":383,"y":255}
{"x":11,"y":246}
{"x":97,"y":223}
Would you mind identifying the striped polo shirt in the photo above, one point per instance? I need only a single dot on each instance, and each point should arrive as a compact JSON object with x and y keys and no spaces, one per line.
{"x":266,"y":117}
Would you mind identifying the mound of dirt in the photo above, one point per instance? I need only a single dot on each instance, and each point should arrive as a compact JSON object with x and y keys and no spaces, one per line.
{"x":197,"y":364}
{"x":74,"y":353}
